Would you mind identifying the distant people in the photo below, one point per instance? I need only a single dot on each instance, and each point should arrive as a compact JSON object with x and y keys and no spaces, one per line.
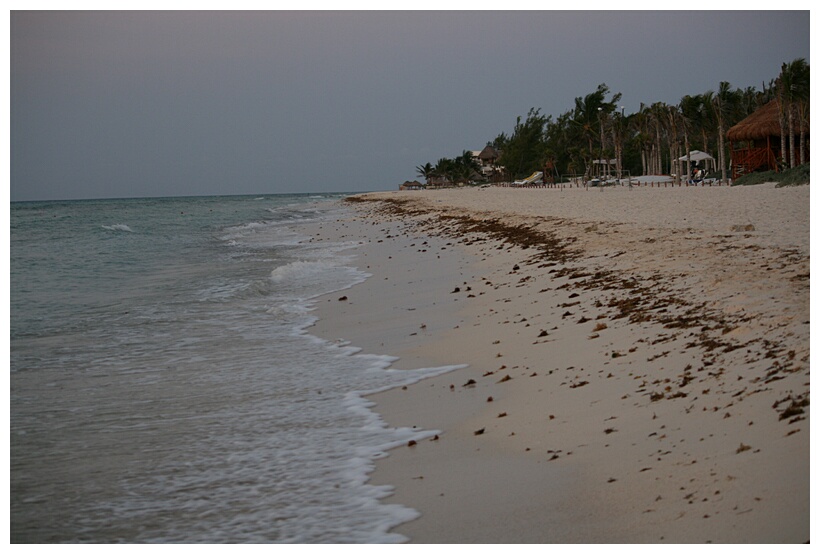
{"x":697,"y":175}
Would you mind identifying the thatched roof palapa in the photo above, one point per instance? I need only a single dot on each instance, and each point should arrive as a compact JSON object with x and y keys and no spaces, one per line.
{"x":489,"y":153}
{"x":764,"y":122}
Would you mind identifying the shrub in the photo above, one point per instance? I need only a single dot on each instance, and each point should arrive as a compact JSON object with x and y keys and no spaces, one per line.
{"x":799,"y":175}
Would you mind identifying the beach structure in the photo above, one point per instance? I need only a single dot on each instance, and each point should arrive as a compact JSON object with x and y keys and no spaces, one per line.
{"x":411,"y":185}
{"x":603,"y":167}
{"x":439,"y":181}
{"x":488,"y":160}
{"x":756,"y":143}
{"x":489,"y":155}
{"x":700,"y":159}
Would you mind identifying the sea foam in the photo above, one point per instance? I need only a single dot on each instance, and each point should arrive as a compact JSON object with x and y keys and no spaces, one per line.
{"x":118,"y":227}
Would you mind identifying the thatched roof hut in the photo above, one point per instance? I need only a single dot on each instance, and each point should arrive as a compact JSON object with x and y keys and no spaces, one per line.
{"x":489,"y":154}
{"x":411,"y":185}
{"x":764,"y":122}
{"x":756,"y":140}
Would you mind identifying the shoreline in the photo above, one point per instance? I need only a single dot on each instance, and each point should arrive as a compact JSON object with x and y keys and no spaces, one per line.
{"x":631,"y":354}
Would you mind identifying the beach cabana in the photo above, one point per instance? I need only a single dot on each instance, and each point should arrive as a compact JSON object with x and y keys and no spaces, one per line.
{"x":756,"y":143}
{"x":700,"y":158}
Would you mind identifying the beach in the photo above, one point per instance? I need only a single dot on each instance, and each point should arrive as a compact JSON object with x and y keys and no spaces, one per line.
{"x":637,"y":360}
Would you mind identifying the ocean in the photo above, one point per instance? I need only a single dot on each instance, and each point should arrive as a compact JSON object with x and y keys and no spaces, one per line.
{"x":164,"y":384}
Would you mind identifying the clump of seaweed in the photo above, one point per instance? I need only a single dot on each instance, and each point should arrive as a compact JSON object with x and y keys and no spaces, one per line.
{"x":795,"y":408}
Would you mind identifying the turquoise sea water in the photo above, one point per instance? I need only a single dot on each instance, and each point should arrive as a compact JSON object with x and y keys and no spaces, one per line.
{"x":164,"y":386}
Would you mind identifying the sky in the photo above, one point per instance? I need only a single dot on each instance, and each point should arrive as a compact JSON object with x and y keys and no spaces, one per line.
{"x":112,"y":104}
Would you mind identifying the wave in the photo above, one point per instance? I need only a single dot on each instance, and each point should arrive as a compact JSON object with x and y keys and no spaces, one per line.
{"x":244,"y":227}
{"x":307,"y":280}
{"x":118,"y":227}
{"x":300,"y":270}
{"x":258,"y":234}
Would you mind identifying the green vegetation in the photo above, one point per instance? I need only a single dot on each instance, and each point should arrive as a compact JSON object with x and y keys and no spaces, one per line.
{"x":644,"y":143}
{"x":788,"y":178}
{"x":523,"y":151}
{"x":461,"y":169}
{"x":795,"y":176}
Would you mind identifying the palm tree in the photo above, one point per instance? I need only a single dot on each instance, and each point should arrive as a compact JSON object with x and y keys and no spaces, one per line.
{"x":706,"y":120}
{"x":750,"y":100}
{"x":619,"y":130}
{"x":445,"y":168}
{"x":803,"y":97}
{"x":793,"y":90}
{"x":768,"y":93}
{"x":640,"y":129}
{"x":467,"y":165}
{"x":691,"y":117}
{"x":427,"y":171}
{"x":658,"y":121}
{"x":589,"y":116}
{"x":786,"y":115}
{"x":723,"y":105}
{"x":674,"y":117}
{"x":585,"y":117}
{"x":781,"y":105}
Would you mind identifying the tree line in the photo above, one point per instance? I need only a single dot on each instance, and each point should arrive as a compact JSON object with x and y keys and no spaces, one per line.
{"x":643,"y":143}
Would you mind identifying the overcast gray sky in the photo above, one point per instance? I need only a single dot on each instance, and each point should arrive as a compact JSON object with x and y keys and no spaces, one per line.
{"x":123,"y":104}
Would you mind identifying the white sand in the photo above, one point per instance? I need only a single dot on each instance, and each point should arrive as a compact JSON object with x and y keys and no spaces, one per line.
{"x":646,"y":374}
